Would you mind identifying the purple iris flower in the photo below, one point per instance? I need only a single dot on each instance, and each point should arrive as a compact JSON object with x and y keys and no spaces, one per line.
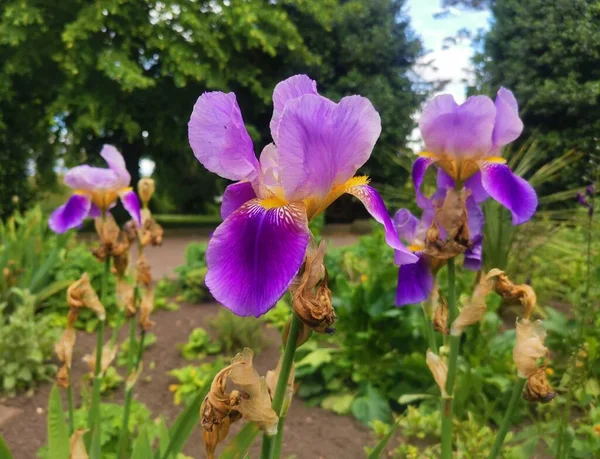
{"x":95,"y":190}
{"x":318,"y":146}
{"x":465,"y":141}
{"x":416,"y":280}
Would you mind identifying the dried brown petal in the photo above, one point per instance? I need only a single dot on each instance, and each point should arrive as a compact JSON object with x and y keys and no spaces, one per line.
{"x":109,"y":352}
{"x":439,"y":370}
{"x":77,"y":449}
{"x":152,"y":232}
{"x":440,"y":318}
{"x":120,"y":263}
{"x":474,"y":310}
{"x":64,"y":351}
{"x":125,"y":297}
{"x":538,"y":389}
{"x":521,"y":293}
{"x":431,"y":305}
{"x":272,"y":378}
{"x":146,"y":307}
{"x":146,"y":187}
{"x":529,"y":347}
{"x":81,"y":294}
{"x":107,"y":230}
{"x":143,"y":274}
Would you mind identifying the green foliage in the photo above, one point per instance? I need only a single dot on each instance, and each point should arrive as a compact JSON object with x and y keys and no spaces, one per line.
{"x":193,"y":379}
{"x":547,"y":53}
{"x":199,"y":345}
{"x":111,"y":380}
{"x":26,"y":344}
{"x":123,"y":355}
{"x":234,"y":333}
{"x":279,"y":315}
{"x":58,"y":434}
{"x":192,"y":273}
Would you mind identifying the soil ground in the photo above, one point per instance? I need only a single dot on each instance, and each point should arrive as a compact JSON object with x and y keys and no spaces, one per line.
{"x":309,"y":432}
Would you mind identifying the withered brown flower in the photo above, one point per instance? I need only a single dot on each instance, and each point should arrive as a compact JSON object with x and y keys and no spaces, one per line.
{"x":474,"y":310}
{"x":125,"y":297}
{"x":143,"y":274}
{"x":146,"y":307}
{"x":64,"y":351}
{"x":109,"y":352}
{"x":81,"y":294}
{"x":521,"y":293}
{"x":146,"y":187}
{"x":77,"y":447}
{"x":439,"y":370}
{"x":251,"y":400}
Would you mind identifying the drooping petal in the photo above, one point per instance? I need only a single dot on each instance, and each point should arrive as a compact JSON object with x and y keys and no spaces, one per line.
{"x":235,"y":196}
{"x":116,"y":163}
{"x":254,"y":255}
{"x":444,"y":180}
{"x":90,"y":178}
{"x":473,"y":257}
{"x":132,"y":205}
{"x":460,"y":131}
{"x":415,"y":282}
{"x":71,"y":214}
{"x":287,"y":90}
{"x":376,"y":207}
{"x":219,"y":138}
{"x":322,"y":144}
{"x":510,"y":190}
{"x":508,"y":124}
{"x":418,"y":174}
{"x":475,"y":219}
{"x":478,"y":193}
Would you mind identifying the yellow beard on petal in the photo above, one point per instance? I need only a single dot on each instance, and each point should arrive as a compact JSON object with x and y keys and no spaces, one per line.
{"x":315,"y":206}
{"x":103,"y":199}
{"x":463,"y":168}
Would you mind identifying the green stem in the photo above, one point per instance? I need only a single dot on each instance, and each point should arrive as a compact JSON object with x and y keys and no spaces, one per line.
{"x":447,"y":405}
{"x":278,"y":438}
{"x":430,"y":332}
{"x":514,"y":400}
{"x":268,"y":446}
{"x":70,"y":404}
{"x":94,"y":414}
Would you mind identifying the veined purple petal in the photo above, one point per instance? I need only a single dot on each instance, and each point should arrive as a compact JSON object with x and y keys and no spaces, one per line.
{"x":254,"y":255}
{"x":322,"y":144}
{"x":473,"y":257}
{"x":418,"y":174}
{"x":132,"y":205}
{"x":406,"y":225}
{"x":478,"y":193}
{"x":71,"y":214}
{"x":508,"y":125}
{"x":90,"y":178}
{"x":235,"y":196}
{"x":461,"y":131}
{"x":415,"y":282}
{"x":287,"y":90}
{"x":269,"y":165}
{"x":475,"y":219}
{"x":219,"y":138}
{"x":116,"y":163}
{"x":510,"y":190}
{"x":444,"y":180}
{"x":376,"y":207}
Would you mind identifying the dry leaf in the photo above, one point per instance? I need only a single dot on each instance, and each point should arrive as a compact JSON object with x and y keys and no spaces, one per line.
{"x":77,"y":449}
{"x":109,"y":352}
{"x":64,"y":351}
{"x":439,"y":370}
{"x":146,"y":307}
{"x":474,"y":310}
{"x":125,"y":297}
{"x":272,"y":378}
{"x":529,"y":346}
{"x":143,"y":275}
{"x":81,"y":294}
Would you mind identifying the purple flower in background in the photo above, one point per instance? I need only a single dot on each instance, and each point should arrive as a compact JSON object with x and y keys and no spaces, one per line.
{"x":416,"y":280}
{"x":318,"y":146}
{"x":95,"y":190}
{"x":465,"y":141}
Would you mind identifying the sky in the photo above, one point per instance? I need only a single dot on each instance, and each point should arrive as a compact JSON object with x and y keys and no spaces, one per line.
{"x":453,"y":63}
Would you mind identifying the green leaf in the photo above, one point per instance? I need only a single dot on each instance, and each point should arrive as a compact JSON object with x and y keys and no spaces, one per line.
{"x":339,"y":403}
{"x":164,"y":438}
{"x":371,"y":406}
{"x":184,"y":425}
{"x":407,"y":399}
{"x":236,"y":448}
{"x":142,"y":448}
{"x":58,"y":435}
{"x":382,"y":444}
{"x":4,"y":451}
{"x":316,"y":358}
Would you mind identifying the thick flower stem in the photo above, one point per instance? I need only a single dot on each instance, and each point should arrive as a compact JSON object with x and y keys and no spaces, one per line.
{"x":447,"y":405}
{"x":269,"y":447}
{"x":94,"y":413}
{"x":514,"y":400}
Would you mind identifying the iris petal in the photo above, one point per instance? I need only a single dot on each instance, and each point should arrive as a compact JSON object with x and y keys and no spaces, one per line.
{"x":510,"y":190}
{"x":235,"y":196}
{"x":376,"y":207}
{"x":132,"y":205}
{"x":116,"y":163}
{"x":219,"y":138}
{"x":254,"y":255}
{"x":473,"y":257}
{"x":418,"y":174}
{"x":406,"y":225}
{"x":415,"y":282}
{"x":90,"y":178}
{"x":508,"y":125}
{"x":71,"y":214}
{"x":322,"y":144}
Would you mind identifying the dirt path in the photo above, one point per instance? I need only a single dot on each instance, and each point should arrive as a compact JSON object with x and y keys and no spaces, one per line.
{"x":310,"y":432}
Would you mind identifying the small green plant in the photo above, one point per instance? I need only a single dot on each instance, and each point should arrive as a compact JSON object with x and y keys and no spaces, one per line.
{"x":111,"y":380}
{"x":164,"y":290}
{"x":235,"y":333}
{"x":192,"y":274}
{"x":26,"y":344}
{"x":193,"y":378}
{"x":279,"y":316}
{"x":123,"y":354}
{"x":199,"y":345}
